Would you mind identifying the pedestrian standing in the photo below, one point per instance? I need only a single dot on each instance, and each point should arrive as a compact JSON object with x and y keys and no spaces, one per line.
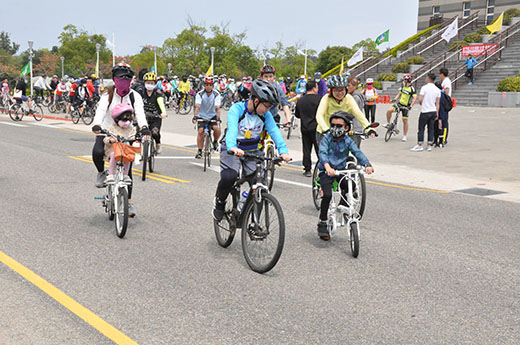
{"x":370,"y":93}
{"x":358,"y":96}
{"x":306,"y":111}
{"x":446,"y":87}
{"x":470,"y":63}
{"x":322,"y":84}
{"x":429,"y":99}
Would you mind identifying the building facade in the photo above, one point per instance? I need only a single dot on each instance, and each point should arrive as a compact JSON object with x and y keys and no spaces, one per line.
{"x":434,"y":11}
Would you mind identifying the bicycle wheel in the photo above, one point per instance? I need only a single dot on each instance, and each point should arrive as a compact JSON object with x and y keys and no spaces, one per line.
{"x":361,"y":195}
{"x":38,"y":112}
{"x":225,"y":229}
{"x":263,"y":233}
{"x":145,"y":148}
{"x":317,"y":193}
{"x":151,"y":159}
{"x":16,"y":112}
{"x":269,"y":173}
{"x":206,"y":149}
{"x":88,"y":116}
{"x":389,"y":132}
{"x":121,"y":212}
{"x":184,"y":107}
{"x":74,"y":116}
{"x":110,"y":201}
{"x":354,"y":238}
{"x":52,"y":108}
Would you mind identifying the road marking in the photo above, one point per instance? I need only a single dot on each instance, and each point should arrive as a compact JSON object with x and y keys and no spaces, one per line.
{"x":12,"y":124}
{"x":215,"y":169}
{"x":174,"y":157}
{"x":409,"y":188}
{"x":89,"y":317}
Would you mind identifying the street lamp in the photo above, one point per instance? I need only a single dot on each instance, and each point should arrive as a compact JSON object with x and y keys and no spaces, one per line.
{"x":98,"y":46}
{"x":212,"y":49}
{"x":62,"y":59}
{"x":155,"y":60}
{"x":30,"y":62}
{"x":264,"y":51}
{"x":169,"y":69}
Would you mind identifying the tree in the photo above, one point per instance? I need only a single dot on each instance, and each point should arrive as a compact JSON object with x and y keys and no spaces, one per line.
{"x":369,"y":47}
{"x":6,"y":45}
{"x":187,"y":51}
{"x":330,"y":57}
{"x":49,"y":64}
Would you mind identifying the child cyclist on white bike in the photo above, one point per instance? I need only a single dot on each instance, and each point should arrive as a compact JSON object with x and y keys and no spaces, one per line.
{"x":334,"y":152}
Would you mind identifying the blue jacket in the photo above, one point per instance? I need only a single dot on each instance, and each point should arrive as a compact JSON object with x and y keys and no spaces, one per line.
{"x":252,"y":123}
{"x":336,"y":153}
{"x":471,"y":62}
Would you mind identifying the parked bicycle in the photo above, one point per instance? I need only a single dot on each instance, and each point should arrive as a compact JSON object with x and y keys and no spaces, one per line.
{"x":20,"y":108}
{"x":258,"y":214}
{"x":207,"y":143}
{"x":391,"y":128}
{"x":115,"y":200}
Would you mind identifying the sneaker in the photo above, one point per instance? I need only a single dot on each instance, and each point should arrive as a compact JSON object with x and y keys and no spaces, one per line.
{"x":110,"y":179}
{"x":131,"y":211}
{"x":100,"y":179}
{"x":218,"y":209}
{"x":404,"y":138}
{"x":126,"y":178}
{"x":199,"y":155}
{"x":215,"y":145}
{"x":429,"y":148}
{"x":307,"y":173}
{"x":323,"y":232}
{"x":417,"y":148}
{"x":158,"y":149}
{"x":470,"y":83}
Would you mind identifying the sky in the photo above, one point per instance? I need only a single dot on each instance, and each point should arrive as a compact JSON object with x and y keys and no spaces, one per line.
{"x":137,"y":23}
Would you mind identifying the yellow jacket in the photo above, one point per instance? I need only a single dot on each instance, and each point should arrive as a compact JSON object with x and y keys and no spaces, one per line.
{"x":328,"y":106}
{"x":184,"y":86}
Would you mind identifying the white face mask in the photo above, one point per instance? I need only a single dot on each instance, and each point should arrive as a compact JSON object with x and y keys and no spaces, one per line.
{"x":123,"y":124}
{"x":149,"y":87}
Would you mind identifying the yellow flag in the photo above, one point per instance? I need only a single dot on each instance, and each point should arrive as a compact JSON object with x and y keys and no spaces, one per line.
{"x":496,"y":26}
{"x":210,"y":70}
{"x":342,"y":68}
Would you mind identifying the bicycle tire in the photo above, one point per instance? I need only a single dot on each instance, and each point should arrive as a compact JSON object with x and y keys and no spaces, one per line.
{"x":205,"y":147}
{"x":389,"y":132}
{"x":184,"y":107}
{"x":317,"y":194}
{"x":145,"y":145}
{"x":53,"y":109}
{"x":225,"y":233}
{"x":269,"y":176}
{"x":151,"y":159}
{"x":363,"y":195}
{"x":15,"y":112}
{"x":121,"y":213}
{"x":87,"y":116}
{"x":354,"y":238}
{"x":263,"y":238}
{"x":110,"y":207}
{"x":74,"y":116}
{"x":38,"y":112}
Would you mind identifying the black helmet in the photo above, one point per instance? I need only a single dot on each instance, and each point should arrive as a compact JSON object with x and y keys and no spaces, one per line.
{"x":265,"y":92}
{"x":122,"y":70}
{"x":342,"y":115}
{"x":267,"y":69}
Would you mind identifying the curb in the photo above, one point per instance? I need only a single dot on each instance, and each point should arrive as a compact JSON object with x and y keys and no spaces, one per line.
{"x":56,"y":118}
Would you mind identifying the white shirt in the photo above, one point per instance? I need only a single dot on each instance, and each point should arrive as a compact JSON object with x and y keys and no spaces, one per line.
{"x":446,"y":84}
{"x":430,"y":93}
{"x":104,"y":117}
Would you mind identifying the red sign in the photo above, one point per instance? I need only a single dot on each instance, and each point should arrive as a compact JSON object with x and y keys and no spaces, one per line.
{"x":479,"y":49}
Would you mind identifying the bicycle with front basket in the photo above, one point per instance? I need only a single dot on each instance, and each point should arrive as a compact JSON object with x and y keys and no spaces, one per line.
{"x":260,"y":217}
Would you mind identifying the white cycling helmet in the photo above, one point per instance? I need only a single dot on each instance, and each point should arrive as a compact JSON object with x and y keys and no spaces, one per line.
{"x":370,"y":81}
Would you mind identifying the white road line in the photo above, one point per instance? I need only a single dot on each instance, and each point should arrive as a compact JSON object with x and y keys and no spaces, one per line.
{"x":173,"y":157}
{"x":215,"y":169}
{"x":43,"y":125}
{"x":13,"y":124}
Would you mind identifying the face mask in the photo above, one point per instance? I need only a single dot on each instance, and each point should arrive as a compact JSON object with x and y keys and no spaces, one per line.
{"x":123,"y":124}
{"x":369,"y":86}
{"x":184,"y":79}
{"x":317,"y":80}
{"x":149,"y":87}
{"x":122,"y":86}
{"x":337,"y":132}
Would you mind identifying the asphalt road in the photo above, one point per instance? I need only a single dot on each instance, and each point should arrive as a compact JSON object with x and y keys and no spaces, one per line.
{"x":434,"y":268}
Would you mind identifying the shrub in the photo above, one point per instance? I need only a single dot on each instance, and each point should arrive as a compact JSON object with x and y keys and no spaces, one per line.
{"x":510,"y":13}
{"x":402,"y":67}
{"x":483,"y":31}
{"x":473,"y":38}
{"x":378,"y":85}
{"x":509,"y":84}
{"x":456,"y":45}
{"x":415,"y":60}
{"x":387,"y":77}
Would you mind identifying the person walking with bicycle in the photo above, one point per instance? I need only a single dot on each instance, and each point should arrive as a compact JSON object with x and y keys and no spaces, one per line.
{"x":406,"y":97}
{"x":334,"y":153}
{"x":154,"y":109}
{"x":207,"y":107}
{"x":245,"y":123}
{"x":120,"y":92}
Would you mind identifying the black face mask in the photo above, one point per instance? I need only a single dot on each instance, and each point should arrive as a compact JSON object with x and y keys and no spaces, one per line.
{"x":184,"y":79}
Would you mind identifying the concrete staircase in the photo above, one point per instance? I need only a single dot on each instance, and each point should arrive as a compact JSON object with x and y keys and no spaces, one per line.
{"x":477,"y":94}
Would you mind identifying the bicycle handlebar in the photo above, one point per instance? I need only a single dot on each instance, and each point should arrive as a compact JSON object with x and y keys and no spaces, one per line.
{"x":120,"y":138}
{"x":276,"y":160}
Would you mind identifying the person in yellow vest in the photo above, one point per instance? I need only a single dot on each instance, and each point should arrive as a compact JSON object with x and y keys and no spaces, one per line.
{"x":371,"y":95}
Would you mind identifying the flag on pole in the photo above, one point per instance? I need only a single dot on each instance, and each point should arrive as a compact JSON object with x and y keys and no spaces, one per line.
{"x":451,"y":31}
{"x":496,"y":26}
{"x":384,"y":37}
{"x":357,"y":57}
{"x":210,"y":70}
{"x":342,"y":67}
{"x":25,"y":70}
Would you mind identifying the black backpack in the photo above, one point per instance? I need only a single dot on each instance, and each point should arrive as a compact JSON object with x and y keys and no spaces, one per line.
{"x":448,"y":103}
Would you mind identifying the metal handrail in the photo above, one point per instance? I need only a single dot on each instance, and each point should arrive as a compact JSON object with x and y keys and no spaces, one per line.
{"x":437,"y":65}
{"x":478,"y":64}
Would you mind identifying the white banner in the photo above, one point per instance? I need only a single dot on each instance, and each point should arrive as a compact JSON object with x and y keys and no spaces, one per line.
{"x":451,"y":31}
{"x":358,"y":57}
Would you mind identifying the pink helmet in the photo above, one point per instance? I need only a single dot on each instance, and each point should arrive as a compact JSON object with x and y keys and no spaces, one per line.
{"x":120,"y":109}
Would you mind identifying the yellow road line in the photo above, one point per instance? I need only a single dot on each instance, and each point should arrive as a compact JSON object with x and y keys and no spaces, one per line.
{"x":89,"y":317}
{"x":163,"y":176}
{"x":177,"y":148}
{"x":409,"y":188}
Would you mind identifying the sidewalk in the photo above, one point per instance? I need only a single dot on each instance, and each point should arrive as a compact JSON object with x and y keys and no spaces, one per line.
{"x":483,"y":151}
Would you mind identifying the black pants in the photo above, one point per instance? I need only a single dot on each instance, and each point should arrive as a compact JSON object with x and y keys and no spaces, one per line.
{"x":154,"y":123}
{"x":426,"y":119}
{"x":98,"y":153}
{"x":38,"y":91}
{"x":308,"y":141}
{"x":370,"y":112}
{"x":326,"y":185}
{"x":469,"y":74}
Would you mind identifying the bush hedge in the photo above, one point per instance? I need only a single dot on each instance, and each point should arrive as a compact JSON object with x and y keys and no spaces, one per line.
{"x":415,"y":60}
{"x":510,"y":13}
{"x":509,"y":84}
{"x":378,"y":85}
{"x":402,"y":67}
{"x":474,"y":37}
{"x":387,"y":77}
